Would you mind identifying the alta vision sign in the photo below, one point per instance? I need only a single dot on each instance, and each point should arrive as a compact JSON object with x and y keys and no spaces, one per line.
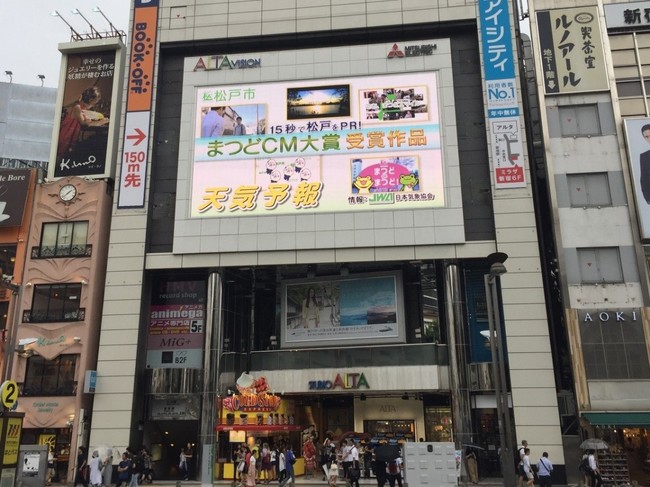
{"x":224,"y":62}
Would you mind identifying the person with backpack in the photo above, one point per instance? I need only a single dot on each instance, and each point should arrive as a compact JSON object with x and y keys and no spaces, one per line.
{"x":584,"y":469}
{"x":594,"y":471}
{"x":522,"y":478}
{"x":289,"y":460}
{"x":394,"y":472}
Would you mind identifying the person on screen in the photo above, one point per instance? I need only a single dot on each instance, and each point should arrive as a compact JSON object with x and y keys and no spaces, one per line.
{"x":310,"y":310}
{"x":213,"y":124}
{"x":644,"y":165}
{"x":239,"y":128}
{"x":77,"y":116}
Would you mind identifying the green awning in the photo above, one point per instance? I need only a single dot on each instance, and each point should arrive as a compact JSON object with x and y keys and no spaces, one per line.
{"x":619,"y":419}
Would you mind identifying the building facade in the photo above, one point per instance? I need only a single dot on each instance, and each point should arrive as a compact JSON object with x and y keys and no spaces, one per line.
{"x":51,"y":347}
{"x":307,"y":196}
{"x":590,"y":64}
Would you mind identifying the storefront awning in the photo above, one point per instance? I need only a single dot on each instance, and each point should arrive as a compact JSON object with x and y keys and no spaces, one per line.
{"x":258,"y":427}
{"x":619,"y":419}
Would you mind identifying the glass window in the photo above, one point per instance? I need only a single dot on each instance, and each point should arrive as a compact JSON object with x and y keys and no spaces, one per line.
{"x":579,"y":120}
{"x":56,"y":302}
{"x":50,"y":377}
{"x":602,"y":265}
{"x":589,"y":190}
{"x":64,"y":239}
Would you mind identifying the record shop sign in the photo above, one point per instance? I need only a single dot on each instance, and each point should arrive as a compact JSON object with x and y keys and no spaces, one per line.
{"x":631,"y":315}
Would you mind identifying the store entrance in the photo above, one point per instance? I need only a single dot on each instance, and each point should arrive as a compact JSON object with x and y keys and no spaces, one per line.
{"x":165,"y":439}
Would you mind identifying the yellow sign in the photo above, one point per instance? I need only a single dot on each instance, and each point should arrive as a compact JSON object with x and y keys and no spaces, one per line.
{"x":9,"y":393}
{"x":49,"y":440}
{"x":12,"y":440}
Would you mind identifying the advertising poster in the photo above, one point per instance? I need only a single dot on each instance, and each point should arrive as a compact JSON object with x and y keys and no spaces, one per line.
{"x":572,"y":50}
{"x":637,"y":134}
{"x":140,"y":87}
{"x":502,"y":95}
{"x":85,"y":115}
{"x":176,"y":328}
{"x":317,"y":146}
{"x":13,"y":194}
{"x":365,"y":309}
{"x":12,"y":440}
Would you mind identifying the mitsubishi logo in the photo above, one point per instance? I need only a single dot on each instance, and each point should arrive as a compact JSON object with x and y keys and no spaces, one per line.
{"x":395,"y":52}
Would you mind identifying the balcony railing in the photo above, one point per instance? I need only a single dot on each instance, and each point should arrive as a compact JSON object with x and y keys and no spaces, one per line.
{"x":66,"y":389}
{"x":30,"y":316}
{"x":52,"y":252}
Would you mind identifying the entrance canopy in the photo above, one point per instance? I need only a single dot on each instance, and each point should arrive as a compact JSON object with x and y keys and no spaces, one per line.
{"x":619,"y":418}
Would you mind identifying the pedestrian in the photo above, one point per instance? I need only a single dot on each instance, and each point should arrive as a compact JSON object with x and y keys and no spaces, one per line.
{"x":189,"y":458}
{"x":379,"y":469}
{"x":594,"y":471}
{"x":346,"y":452}
{"x":251,"y":476}
{"x":96,"y":467}
{"x":333,"y":474}
{"x":544,"y":469}
{"x":528,"y":469}
{"x":124,"y":470}
{"x":472,"y":465}
{"x":394,"y":472}
{"x":282,"y":466}
{"x":81,"y":474}
{"x":521,"y":475}
{"x":367,"y":460}
{"x":289,"y":460}
{"x":136,"y":468}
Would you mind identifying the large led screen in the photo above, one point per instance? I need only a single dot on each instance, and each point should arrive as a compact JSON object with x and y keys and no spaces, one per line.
{"x":317,"y":146}
{"x":346,"y":310}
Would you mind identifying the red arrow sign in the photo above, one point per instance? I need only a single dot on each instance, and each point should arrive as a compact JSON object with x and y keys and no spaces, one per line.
{"x":140,"y":136}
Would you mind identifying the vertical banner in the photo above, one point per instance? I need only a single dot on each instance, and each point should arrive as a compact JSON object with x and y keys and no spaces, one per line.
{"x":82,"y":146}
{"x":176,"y":328}
{"x":637,"y":135}
{"x":138,"y":105}
{"x":573,"y":59}
{"x":505,"y":143}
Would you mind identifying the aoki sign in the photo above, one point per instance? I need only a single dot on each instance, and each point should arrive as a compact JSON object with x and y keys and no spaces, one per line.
{"x":341,"y":381}
{"x":609,"y":316}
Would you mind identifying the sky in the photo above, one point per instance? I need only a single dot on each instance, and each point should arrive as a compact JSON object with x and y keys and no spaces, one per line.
{"x":30,"y":36}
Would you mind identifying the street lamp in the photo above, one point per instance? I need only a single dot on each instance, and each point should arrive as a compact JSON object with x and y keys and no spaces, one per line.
{"x":496,"y":339}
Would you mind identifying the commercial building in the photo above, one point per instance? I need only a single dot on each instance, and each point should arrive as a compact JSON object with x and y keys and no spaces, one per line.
{"x":591,"y":68}
{"x":61,"y":244}
{"x":327,"y":265}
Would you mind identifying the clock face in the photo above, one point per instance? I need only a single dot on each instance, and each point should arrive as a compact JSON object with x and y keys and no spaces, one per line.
{"x":67,"y":193}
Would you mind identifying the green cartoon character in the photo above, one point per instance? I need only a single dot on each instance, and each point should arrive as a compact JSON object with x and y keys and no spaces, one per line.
{"x":408,"y":181}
